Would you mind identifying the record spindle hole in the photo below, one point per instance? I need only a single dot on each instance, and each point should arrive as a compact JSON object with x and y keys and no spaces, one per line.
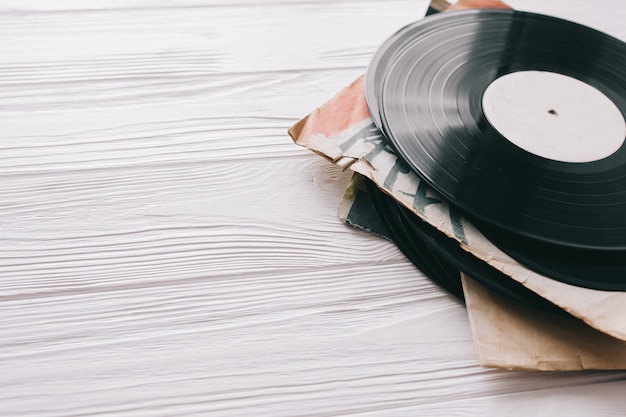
{"x":554,"y":116}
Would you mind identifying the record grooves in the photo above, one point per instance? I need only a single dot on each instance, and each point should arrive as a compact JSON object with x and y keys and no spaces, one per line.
{"x":424,"y":89}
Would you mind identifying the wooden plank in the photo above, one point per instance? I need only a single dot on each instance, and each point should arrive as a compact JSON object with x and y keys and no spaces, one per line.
{"x":194,"y":41}
{"x":340,"y":341}
{"x":26,"y":6}
{"x":163,"y":223}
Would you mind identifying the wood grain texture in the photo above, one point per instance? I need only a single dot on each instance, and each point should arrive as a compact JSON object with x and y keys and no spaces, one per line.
{"x":166,"y":250}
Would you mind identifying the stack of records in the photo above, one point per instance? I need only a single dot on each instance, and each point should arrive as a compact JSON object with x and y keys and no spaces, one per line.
{"x":495,"y":145}
{"x":487,"y":107}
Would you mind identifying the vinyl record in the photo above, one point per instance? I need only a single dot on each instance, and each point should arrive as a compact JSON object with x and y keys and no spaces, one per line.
{"x":598,"y":270}
{"x":442,"y":259}
{"x":417,"y":249}
{"x":425,"y":90}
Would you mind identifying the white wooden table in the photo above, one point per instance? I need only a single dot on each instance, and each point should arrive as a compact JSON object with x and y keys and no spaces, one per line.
{"x":166,"y":250}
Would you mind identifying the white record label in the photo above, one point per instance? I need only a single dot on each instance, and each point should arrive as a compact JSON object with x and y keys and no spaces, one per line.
{"x":554,"y":116}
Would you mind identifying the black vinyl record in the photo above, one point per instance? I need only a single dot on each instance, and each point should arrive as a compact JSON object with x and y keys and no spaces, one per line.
{"x":599,"y":270}
{"x":424,"y":89}
{"x":442,"y":259}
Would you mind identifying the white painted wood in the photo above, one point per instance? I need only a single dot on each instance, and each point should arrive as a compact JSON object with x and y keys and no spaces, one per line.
{"x":166,"y":250}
